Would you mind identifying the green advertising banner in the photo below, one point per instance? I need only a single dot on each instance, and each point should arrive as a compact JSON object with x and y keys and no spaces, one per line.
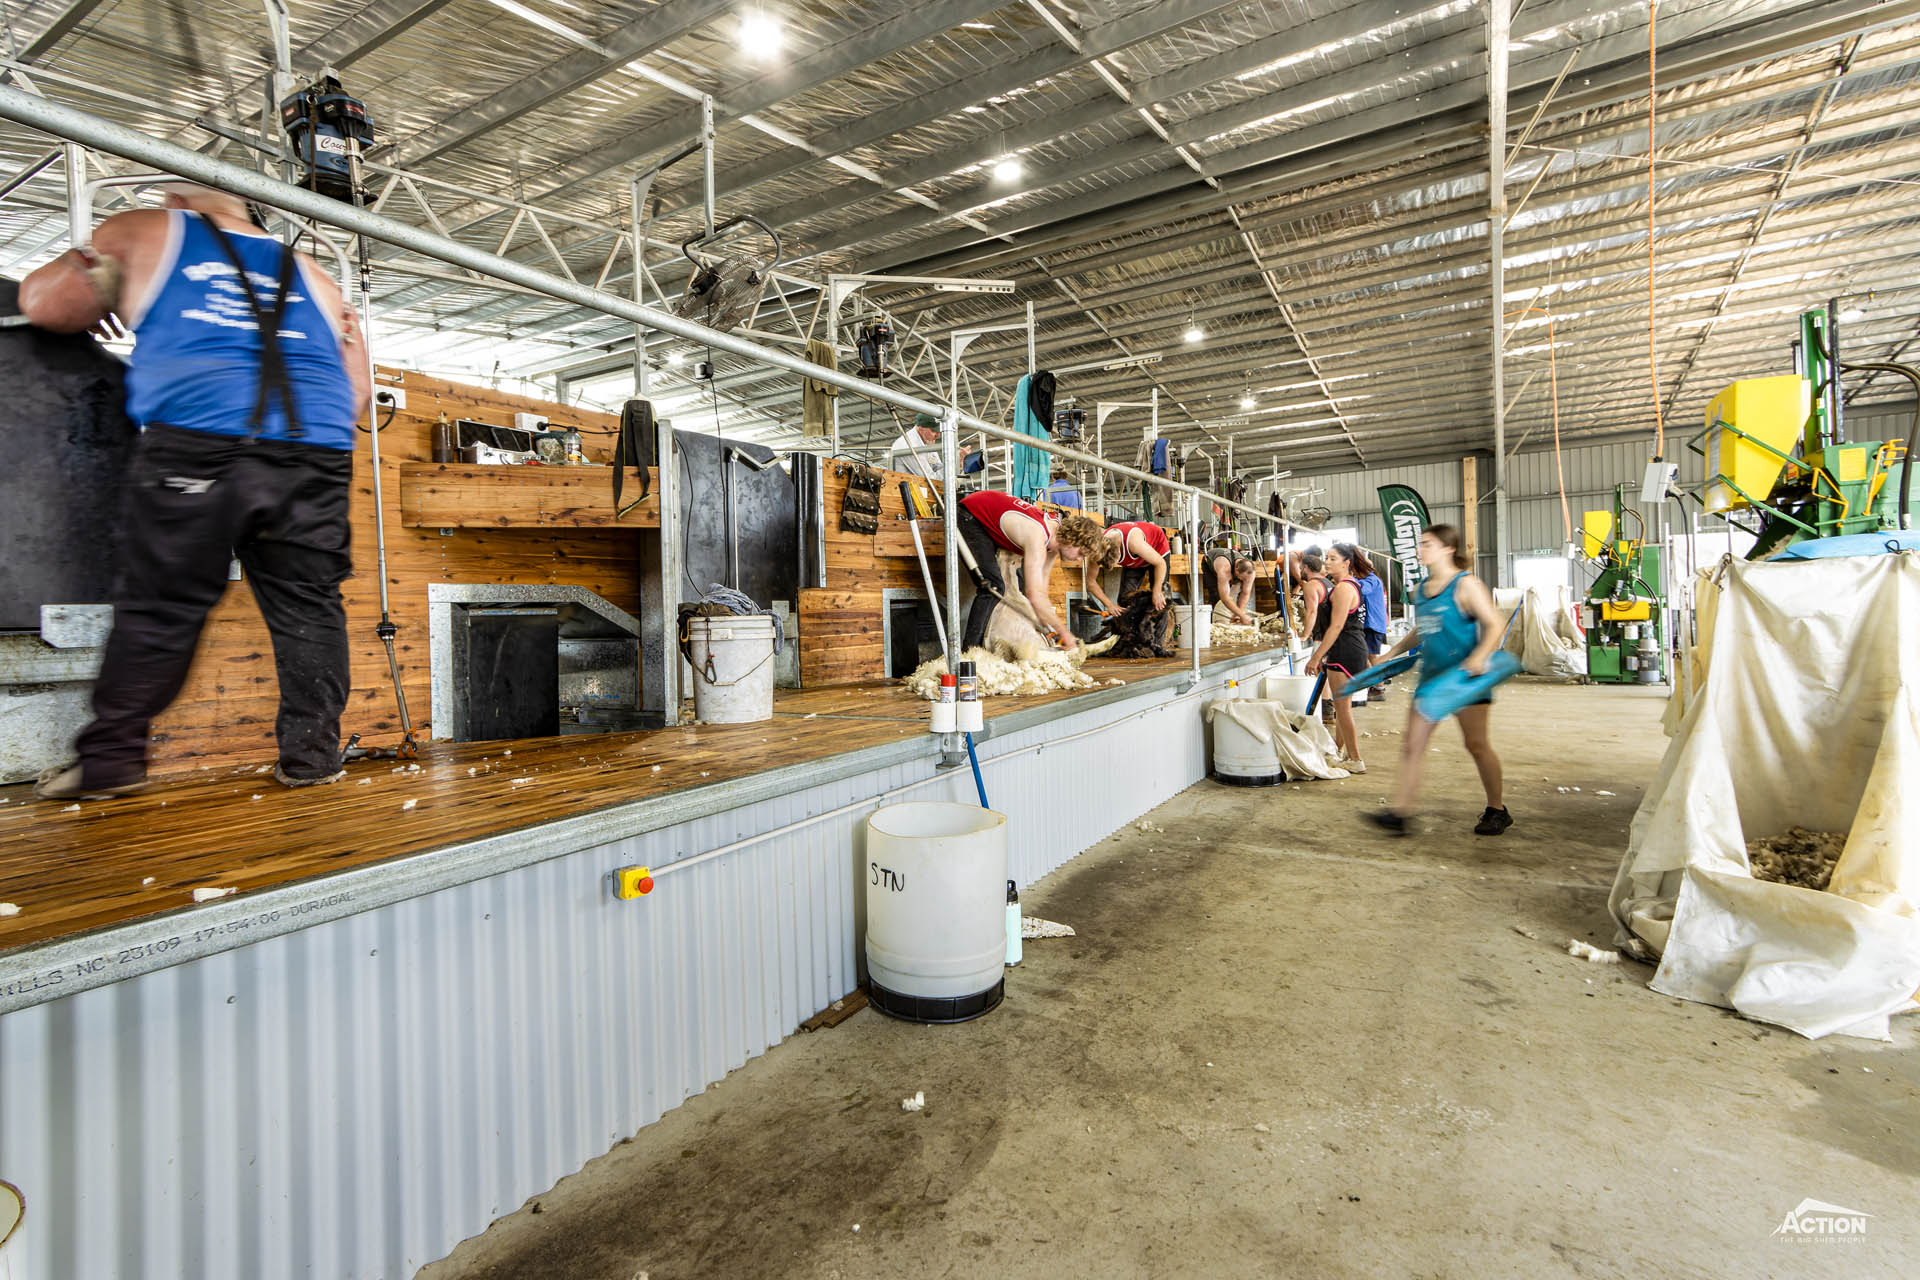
{"x":1406,"y":515}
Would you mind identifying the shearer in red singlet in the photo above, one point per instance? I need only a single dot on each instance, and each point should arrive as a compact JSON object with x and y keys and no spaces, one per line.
{"x":1139,"y":548}
{"x":993,"y":522}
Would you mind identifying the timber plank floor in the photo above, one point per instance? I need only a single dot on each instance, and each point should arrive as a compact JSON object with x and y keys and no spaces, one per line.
{"x":71,"y":869}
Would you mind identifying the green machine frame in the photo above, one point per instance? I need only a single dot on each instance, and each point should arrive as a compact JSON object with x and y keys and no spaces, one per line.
{"x":1626,"y":605}
{"x":1830,"y":486}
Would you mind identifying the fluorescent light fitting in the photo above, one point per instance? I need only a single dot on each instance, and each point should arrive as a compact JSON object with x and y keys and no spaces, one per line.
{"x":1852,"y":315}
{"x":1007,"y":169}
{"x":1132,"y":363}
{"x":760,"y":34}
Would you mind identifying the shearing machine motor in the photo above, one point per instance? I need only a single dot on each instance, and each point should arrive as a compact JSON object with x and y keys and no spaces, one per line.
{"x":1623,"y":609}
{"x":1777,"y":446}
{"x":329,"y":129}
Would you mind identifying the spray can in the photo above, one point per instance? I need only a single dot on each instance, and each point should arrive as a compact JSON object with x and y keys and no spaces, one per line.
{"x":945,"y":710}
{"x":1013,"y":923}
{"x":970,"y":715}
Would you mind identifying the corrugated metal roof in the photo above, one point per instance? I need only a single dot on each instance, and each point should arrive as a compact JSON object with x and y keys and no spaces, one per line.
{"x":1344,"y":141}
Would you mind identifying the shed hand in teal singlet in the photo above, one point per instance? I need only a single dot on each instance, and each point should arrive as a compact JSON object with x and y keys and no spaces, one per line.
{"x":1447,"y":632}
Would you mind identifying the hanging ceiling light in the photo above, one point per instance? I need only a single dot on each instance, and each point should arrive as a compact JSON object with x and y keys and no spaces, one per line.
{"x":1248,"y":402}
{"x":676,"y":359}
{"x":760,"y":34}
{"x":1008,"y":169}
{"x":1852,"y":315}
{"x":1194,"y":333}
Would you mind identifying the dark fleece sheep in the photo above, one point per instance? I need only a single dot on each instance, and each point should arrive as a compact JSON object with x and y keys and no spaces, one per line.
{"x":1142,"y":630}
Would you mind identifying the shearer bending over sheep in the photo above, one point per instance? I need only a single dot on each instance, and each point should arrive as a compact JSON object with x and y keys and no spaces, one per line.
{"x":1139,"y":548}
{"x":993,"y":522}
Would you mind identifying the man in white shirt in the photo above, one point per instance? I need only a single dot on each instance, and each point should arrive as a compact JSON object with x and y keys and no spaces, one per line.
{"x":925,"y":431}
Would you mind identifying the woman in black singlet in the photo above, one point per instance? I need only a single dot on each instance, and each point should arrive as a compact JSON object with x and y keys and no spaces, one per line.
{"x":1341,"y":636}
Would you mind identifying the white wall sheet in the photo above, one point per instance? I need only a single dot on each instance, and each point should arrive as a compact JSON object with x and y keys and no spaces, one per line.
{"x":355,"y":1098}
{"x":1808,"y":716}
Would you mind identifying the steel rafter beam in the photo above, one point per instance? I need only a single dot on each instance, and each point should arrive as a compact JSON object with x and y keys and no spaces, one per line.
{"x":76,"y":12}
{"x":1691,"y":49}
{"x":904,"y":30}
{"x":658,"y":27}
{"x":1762,"y":215}
{"x":1026,"y":69}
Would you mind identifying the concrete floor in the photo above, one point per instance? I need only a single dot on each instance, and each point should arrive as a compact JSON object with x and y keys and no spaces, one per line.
{"x":1285,"y":1046}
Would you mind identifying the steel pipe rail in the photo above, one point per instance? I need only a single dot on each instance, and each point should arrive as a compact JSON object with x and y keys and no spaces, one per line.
{"x":74,"y":125}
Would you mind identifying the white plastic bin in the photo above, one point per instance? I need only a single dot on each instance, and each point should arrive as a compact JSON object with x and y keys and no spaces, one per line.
{"x":1242,"y":760}
{"x":936,"y":885}
{"x":1290,"y":691}
{"x":1196,"y":625}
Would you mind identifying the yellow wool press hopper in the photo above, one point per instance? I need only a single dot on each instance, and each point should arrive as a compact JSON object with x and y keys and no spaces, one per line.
{"x":1752,"y":427}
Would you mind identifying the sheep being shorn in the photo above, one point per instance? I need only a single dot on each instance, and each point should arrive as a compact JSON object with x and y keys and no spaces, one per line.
{"x":1139,"y":630}
{"x":1001,"y":672}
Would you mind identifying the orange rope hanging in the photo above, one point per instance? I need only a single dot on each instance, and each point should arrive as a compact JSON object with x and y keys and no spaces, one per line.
{"x":1653,"y":360}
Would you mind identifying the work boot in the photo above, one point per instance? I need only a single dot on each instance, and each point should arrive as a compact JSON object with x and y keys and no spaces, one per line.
{"x":286,"y":779}
{"x":1493,"y":822}
{"x":1390,"y":822}
{"x":68,"y":782}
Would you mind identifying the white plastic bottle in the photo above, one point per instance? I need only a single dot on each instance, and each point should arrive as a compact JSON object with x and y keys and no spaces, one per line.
{"x":1013,"y":923}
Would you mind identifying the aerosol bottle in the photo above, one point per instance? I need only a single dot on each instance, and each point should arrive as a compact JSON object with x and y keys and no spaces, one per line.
{"x":1013,"y":923}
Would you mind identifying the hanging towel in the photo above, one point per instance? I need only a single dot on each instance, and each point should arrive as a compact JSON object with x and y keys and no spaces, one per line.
{"x":1040,"y":396}
{"x":816,"y":397}
{"x":1159,"y":466}
{"x":1032,"y":468}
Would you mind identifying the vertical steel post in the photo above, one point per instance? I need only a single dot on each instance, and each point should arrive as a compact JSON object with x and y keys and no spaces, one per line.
{"x":952,"y":744}
{"x":639,"y":296}
{"x":833,"y":345}
{"x":950,"y":502}
{"x":78,"y":213}
{"x":706,"y":146}
{"x":1033,"y":362}
{"x":1193,"y":577}
{"x":1100,"y":473}
{"x":668,"y":623}
{"x":1499,"y":21}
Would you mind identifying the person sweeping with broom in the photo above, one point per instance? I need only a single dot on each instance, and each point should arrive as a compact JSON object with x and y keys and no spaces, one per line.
{"x":1457,"y":628}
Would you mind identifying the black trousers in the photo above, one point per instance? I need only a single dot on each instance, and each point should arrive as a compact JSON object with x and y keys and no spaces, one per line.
{"x":193,"y":501}
{"x":986,"y":553}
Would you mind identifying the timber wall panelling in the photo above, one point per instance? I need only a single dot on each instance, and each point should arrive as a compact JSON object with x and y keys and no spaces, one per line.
{"x":224,"y":716}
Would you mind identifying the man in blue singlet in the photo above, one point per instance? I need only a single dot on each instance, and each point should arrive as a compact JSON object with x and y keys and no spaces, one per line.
{"x":248,"y":378}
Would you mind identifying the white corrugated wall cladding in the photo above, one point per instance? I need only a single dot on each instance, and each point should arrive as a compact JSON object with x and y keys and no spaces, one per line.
{"x":354,"y":1099}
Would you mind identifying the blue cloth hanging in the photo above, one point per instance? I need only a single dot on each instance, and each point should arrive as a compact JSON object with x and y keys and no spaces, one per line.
{"x":1160,"y":466}
{"x":1032,"y":468}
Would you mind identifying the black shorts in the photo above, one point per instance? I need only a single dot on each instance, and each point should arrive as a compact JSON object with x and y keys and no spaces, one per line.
{"x":1348,"y":655}
{"x":1376,"y":641}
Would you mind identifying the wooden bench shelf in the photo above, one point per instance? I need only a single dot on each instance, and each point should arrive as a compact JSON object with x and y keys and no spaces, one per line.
{"x":459,"y":495}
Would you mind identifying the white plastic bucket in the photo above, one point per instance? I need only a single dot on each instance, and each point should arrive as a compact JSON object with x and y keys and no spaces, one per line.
{"x":1242,"y":760}
{"x":1196,"y":625}
{"x":732,"y":668}
{"x":936,"y":886}
{"x":1290,"y":692}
